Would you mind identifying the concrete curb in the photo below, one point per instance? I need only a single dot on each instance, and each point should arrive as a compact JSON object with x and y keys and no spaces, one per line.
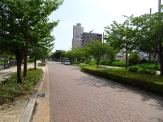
{"x":27,"y":115}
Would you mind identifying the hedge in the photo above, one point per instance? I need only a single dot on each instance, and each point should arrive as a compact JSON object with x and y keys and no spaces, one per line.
{"x":151,"y":83}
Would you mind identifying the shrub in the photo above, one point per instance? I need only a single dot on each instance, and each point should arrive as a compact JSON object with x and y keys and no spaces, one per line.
{"x":86,"y":61}
{"x":105,"y":62}
{"x":141,"y":70}
{"x":142,"y":61}
{"x":119,"y":63}
{"x":133,"y":58}
{"x":133,"y":68}
{"x":41,"y":64}
{"x":152,"y":83}
{"x":92,"y":63}
{"x":147,"y":71}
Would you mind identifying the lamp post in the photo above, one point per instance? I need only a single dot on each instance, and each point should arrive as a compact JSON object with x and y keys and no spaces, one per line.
{"x":90,"y":34}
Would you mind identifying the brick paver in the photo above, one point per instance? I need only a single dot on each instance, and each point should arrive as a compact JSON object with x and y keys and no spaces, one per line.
{"x":79,"y":97}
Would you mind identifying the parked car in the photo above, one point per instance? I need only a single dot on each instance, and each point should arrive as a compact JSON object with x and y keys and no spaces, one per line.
{"x":67,"y":62}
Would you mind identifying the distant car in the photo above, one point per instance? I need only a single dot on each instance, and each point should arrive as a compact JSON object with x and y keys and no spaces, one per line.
{"x":67,"y":62}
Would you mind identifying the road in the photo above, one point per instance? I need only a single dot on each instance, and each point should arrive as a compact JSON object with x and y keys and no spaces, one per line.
{"x":79,"y":97}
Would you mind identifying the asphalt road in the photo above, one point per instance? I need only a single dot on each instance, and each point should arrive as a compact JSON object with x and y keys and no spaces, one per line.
{"x":79,"y":97}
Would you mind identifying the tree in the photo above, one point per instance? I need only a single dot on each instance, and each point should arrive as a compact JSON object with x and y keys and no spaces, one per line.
{"x":121,"y":36}
{"x":17,"y":19}
{"x":150,"y":34}
{"x":96,"y":49}
{"x":57,"y":55}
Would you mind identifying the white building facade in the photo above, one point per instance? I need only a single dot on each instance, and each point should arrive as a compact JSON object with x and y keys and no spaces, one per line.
{"x":77,"y":32}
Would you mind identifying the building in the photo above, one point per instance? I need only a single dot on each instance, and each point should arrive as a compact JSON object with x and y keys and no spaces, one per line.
{"x":77,"y":32}
{"x":86,"y":37}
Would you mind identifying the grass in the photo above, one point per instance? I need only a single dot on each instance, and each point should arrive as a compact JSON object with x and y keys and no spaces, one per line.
{"x":41,"y":64}
{"x":10,"y":90}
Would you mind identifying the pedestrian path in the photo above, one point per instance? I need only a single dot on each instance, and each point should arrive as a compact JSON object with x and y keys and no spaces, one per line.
{"x":80,"y":97}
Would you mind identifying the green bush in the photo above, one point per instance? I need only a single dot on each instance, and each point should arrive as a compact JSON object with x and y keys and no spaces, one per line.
{"x":41,"y":64}
{"x":147,"y":71}
{"x":151,"y":83}
{"x":155,"y":66}
{"x":141,"y":70}
{"x":92,"y":63}
{"x":86,"y":61}
{"x":133,"y":58}
{"x":105,"y":62}
{"x":119,"y":63}
{"x":133,"y":68}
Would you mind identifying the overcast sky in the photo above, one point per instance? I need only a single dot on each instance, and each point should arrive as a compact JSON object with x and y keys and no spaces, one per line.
{"x":94,"y":15}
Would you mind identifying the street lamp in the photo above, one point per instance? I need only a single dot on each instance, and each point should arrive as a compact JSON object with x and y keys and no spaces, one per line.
{"x":90,"y":34}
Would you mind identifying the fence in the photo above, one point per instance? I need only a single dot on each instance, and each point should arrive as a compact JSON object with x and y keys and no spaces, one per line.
{"x":7,"y":63}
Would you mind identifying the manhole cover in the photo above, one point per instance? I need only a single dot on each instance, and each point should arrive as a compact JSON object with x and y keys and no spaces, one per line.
{"x":41,"y":95}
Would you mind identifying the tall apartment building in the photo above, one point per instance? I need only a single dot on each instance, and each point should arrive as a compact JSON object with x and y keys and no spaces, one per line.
{"x":86,"y":37}
{"x":77,"y":32}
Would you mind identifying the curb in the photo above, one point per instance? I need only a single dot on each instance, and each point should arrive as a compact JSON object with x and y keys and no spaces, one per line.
{"x":27,"y":115}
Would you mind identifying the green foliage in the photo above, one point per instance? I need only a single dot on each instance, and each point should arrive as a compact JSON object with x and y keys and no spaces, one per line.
{"x":27,"y":28}
{"x":105,"y":62}
{"x":86,"y":61}
{"x":133,"y":68}
{"x":9,"y":89}
{"x":30,"y":60}
{"x":133,"y":58}
{"x":119,"y":63}
{"x":96,"y":49}
{"x":92,"y":63}
{"x":151,"y":83}
{"x":41,"y":64}
{"x":146,"y":71}
{"x":142,"y":61}
{"x":152,"y":66}
{"x":58,"y":55}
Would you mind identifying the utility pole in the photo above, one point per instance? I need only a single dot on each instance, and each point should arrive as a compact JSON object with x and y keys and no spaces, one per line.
{"x":90,"y":35}
{"x":159,"y":5}
{"x":149,"y":58}
{"x":160,"y":45}
{"x":103,"y":37}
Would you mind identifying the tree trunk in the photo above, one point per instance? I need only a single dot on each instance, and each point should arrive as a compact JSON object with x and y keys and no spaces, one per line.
{"x":18,"y":56}
{"x":25,"y":63}
{"x":149,"y":57}
{"x":161,"y":59}
{"x":35,"y":63}
{"x":126,"y":60}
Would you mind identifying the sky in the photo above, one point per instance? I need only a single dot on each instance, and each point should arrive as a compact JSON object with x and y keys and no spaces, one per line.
{"x":94,"y":15}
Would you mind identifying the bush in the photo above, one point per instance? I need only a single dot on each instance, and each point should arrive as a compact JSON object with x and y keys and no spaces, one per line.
{"x":119,"y":63}
{"x":152,"y":83}
{"x":155,"y":66}
{"x":105,"y":62}
{"x":92,"y":63}
{"x":133,"y":68}
{"x":147,"y":71}
{"x":133,"y":58}
{"x":142,"y":61}
{"x":41,"y":64}
{"x":141,"y":70}
{"x":86,"y":61}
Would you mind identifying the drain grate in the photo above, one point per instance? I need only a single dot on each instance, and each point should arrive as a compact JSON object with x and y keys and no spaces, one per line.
{"x":41,"y":95}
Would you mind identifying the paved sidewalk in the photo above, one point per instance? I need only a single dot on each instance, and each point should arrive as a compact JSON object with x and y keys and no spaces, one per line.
{"x":14,"y":112}
{"x":42,"y":110}
{"x":80,"y":97}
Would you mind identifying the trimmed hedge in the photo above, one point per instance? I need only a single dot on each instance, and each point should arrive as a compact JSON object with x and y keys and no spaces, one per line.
{"x":152,"y":83}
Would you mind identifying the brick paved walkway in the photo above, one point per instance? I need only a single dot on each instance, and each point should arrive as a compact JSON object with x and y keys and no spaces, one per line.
{"x":79,"y":97}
